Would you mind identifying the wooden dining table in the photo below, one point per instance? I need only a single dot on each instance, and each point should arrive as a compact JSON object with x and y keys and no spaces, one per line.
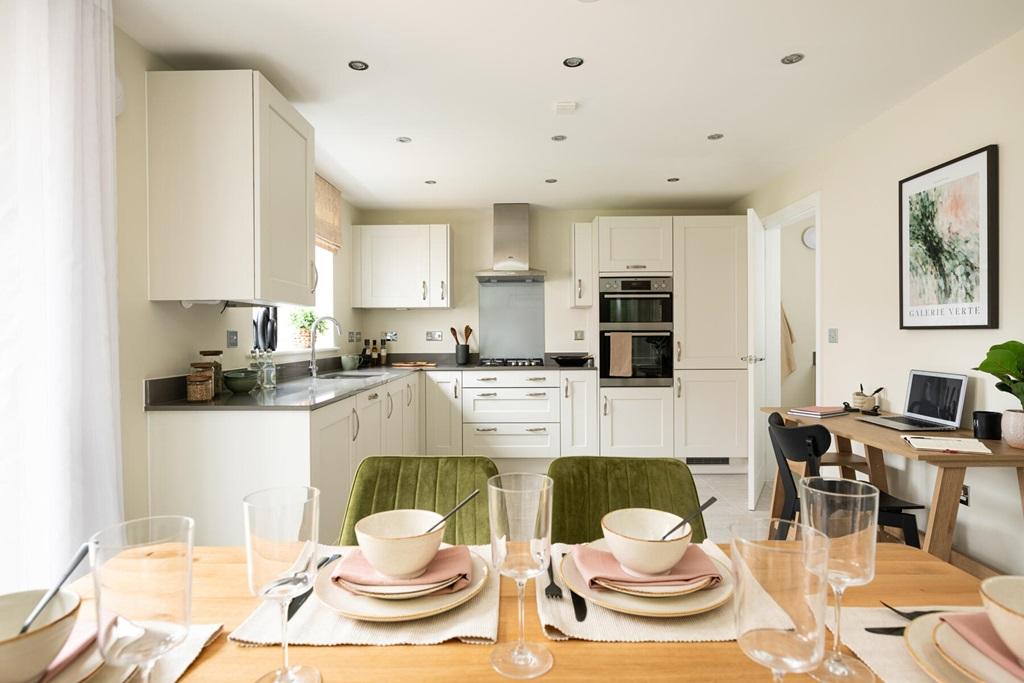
{"x":951,"y":467}
{"x":904,"y":576}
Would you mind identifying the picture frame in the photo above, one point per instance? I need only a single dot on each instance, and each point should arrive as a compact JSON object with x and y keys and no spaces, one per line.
{"x":949,"y":244}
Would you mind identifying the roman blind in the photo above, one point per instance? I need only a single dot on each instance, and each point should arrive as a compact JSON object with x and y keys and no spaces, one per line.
{"x":328,"y":215}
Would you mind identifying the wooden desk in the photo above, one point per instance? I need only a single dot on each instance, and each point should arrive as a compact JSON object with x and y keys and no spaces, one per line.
{"x":945,"y":503}
{"x":904,"y":576}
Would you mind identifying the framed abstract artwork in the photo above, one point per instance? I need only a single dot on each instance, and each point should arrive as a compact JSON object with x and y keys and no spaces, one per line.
{"x":949,"y":244}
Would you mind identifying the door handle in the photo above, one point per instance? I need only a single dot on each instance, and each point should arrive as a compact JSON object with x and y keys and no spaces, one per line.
{"x":488,"y":394}
{"x":567,"y":387}
{"x":750,"y":360}
{"x":534,"y":379}
{"x":536,"y":429}
{"x":373,"y":397}
{"x":679,"y":350}
{"x":408,"y":401}
{"x":456,"y":388}
{"x":487,"y":379}
{"x":638,"y":266}
{"x":391,"y":405}
{"x":486,"y":429}
{"x":579,"y":289}
{"x":605,"y":405}
{"x":679,"y":388}
{"x":536,"y":394}
{"x":424,"y":290}
{"x":442,"y":290}
{"x":355,"y":418}
{"x":316,"y":276}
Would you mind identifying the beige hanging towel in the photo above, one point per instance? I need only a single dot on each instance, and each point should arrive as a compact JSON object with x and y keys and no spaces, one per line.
{"x":788,"y":352}
{"x":621,"y":354}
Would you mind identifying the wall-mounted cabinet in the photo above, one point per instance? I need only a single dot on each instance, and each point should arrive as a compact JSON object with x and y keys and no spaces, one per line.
{"x":634,"y":244}
{"x":582,"y":265}
{"x":401,"y":266}
{"x":230,"y":183}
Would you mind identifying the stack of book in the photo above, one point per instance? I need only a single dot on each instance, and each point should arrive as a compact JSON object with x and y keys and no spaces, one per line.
{"x":817,"y":411}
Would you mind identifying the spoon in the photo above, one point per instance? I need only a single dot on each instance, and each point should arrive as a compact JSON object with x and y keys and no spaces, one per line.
{"x":467,"y":332}
{"x":453,"y":510}
{"x":45,"y":600}
{"x":454,"y":334}
{"x":692,"y":516}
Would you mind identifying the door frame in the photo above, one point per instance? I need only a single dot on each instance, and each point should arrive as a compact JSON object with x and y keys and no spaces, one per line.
{"x":800,"y":210}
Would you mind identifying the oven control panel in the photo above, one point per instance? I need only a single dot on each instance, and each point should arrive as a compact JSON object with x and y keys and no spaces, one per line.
{"x":636,"y":284}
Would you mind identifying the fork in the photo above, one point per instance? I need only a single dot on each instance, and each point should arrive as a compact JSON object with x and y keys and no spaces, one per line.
{"x":910,"y":615}
{"x":552,"y":590}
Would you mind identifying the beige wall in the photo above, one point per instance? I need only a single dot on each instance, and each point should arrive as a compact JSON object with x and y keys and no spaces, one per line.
{"x":796,"y":275}
{"x":550,"y":250}
{"x":159,"y":338}
{"x":977,"y":104}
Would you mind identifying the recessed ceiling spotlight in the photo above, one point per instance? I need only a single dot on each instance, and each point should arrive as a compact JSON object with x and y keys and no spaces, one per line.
{"x":716,"y":136}
{"x":357,"y":65}
{"x":672,"y":180}
{"x":793,"y":58}
{"x":403,"y":139}
{"x":551,"y":180}
{"x":573,"y":62}
{"x":559,"y":138}
{"x":430,"y":182}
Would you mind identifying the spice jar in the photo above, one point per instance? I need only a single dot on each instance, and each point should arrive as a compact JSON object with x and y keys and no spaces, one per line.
{"x":199,"y":386}
{"x":214,"y":356}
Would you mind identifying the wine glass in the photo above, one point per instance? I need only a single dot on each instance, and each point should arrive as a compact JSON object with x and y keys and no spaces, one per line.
{"x":845,"y":510}
{"x":142,"y":573}
{"x":520,"y":515}
{"x":281,"y":553}
{"x":781,"y":588}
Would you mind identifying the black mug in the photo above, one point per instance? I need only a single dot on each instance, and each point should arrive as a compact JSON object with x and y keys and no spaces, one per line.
{"x":461,"y":354}
{"x":988,"y":425}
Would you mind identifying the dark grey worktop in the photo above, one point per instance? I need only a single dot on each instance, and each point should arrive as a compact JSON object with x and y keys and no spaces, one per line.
{"x":299,"y":392}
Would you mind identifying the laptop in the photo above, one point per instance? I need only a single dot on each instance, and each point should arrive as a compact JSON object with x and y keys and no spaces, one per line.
{"x":935,"y":403}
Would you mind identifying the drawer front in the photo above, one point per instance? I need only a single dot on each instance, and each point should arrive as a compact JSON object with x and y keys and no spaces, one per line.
{"x":510,"y":378}
{"x":510,"y":405}
{"x":495,"y":440}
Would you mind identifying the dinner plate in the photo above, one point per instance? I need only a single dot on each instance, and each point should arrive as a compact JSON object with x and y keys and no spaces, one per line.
{"x":82,"y":667}
{"x":398,"y":592}
{"x":647,"y":606}
{"x":965,"y":657}
{"x":365,"y":608}
{"x":918,"y":639}
{"x":645,"y":591}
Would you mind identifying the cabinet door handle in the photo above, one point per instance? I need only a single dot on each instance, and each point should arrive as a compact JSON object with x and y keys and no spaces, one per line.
{"x":391,"y":405}
{"x":679,"y":350}
{"x":537,"y":394}
{"x":536,"y":429}
{"x":408,"y":401}
{"x":486,"y":429}
{"x":567,"y":387}
{"x":456,"y":388}
{"x":637,"y":266}
{"x":579,"y":289}
{"x":424,"y":290}
{"x":605,"y":405}
{"x":355,"y":419}
{"x":488,"y":394}
{"x":316,"y":276}
{"x":487,"y":379}
{"x":535,"y":379}
{"x":442,"y":290}
{"x":679,"y":388}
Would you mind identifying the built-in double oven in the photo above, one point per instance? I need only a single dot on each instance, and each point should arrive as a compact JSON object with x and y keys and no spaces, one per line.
{"x":636,"y":331}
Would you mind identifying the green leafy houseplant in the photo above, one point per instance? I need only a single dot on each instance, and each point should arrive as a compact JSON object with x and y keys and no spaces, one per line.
{"x":304,"y":318}
{"x":1005,"y":362}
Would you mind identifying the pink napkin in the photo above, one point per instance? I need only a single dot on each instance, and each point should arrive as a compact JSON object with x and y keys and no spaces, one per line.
{"x":976,"y":629}
{"x":83,"y":635}
{"x":449,"y":562}
{"x":597,"y":564}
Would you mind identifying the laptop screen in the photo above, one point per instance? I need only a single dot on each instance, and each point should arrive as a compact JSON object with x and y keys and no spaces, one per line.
{"x":936,"y":396}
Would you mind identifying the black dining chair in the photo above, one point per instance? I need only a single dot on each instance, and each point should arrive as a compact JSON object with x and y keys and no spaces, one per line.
{"x":807,"y":444}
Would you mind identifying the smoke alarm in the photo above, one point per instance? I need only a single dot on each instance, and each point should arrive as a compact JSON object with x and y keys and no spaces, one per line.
{"x":565,"y":107}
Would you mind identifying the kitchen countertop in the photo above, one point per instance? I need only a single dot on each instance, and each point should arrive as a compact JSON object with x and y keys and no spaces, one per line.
{"x":304,"y":393}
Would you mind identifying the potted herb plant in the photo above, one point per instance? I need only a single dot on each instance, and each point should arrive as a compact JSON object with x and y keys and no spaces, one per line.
{"x":1005,"y":362}
{"x":302,"y":321}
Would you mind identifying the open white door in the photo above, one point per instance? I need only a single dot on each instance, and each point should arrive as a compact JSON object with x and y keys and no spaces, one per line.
{"x":757,"y":465}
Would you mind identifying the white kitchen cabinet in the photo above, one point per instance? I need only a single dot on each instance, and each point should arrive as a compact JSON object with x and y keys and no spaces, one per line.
{"x":636,"y":421}
{"x":510,"y":378}
{"x":401,"y":266}
{"x":499,"y":441}
{"x":369,"y":426}
{"x":710,"y":292}
{"x":583,"y":279}
{"x":634,"y":244}
{"x":332,"y":436}
{"x":442,"y":410}
{"x":517,"y":404}
{"x":230,"y":190}
{"x":580,"y":431}
{"x":711,"y":417}
{"x":412,"y":406}
{"x":392,"y":430}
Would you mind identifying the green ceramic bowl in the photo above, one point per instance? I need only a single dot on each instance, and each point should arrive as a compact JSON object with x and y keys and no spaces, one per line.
{"x":240,"y":381}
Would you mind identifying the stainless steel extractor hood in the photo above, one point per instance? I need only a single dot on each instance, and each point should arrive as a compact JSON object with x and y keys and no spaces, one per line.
{"x":511,"y":246}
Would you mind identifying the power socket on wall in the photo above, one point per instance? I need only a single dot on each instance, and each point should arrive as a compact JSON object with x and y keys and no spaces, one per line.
{"x":434,"y":335}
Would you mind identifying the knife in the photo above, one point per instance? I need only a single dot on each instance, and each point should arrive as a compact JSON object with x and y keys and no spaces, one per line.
{"x":579,"y":605}
{"x":299,"y":600}
{"x":886,"y":630}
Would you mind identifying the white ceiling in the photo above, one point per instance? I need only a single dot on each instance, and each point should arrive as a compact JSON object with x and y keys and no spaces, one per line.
{"x":474,"y":82}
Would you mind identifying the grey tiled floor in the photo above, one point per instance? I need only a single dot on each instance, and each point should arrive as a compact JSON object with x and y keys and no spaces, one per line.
{"x":731,"y":491}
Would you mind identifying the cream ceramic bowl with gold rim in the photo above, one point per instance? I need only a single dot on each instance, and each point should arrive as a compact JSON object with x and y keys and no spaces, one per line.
{"x":25,"y":657}
{"x":634,"y":538}
{"x":1003,"y":597}
{"x":396,"y":543}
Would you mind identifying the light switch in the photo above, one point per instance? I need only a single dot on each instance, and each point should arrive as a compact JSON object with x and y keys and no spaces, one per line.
{"x":833,"y":335}
{"x":578,"y":335}
{"x":232,"y":340}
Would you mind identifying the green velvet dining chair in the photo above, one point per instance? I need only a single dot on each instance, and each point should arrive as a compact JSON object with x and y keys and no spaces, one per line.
{"x":423,"y":483}
{"x":588,"y":487}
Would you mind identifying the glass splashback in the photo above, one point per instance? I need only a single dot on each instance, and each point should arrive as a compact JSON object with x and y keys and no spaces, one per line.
{"x":511,"y":319}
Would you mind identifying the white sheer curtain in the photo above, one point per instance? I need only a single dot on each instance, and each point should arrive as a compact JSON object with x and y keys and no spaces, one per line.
{"x":60,"y":465}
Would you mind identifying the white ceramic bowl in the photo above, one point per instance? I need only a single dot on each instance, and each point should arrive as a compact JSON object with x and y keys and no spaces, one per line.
{"x":25,"y":657}
{"x":395,"y":542}
{"x":634,"y":537}
{"x":1003,"y":597}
